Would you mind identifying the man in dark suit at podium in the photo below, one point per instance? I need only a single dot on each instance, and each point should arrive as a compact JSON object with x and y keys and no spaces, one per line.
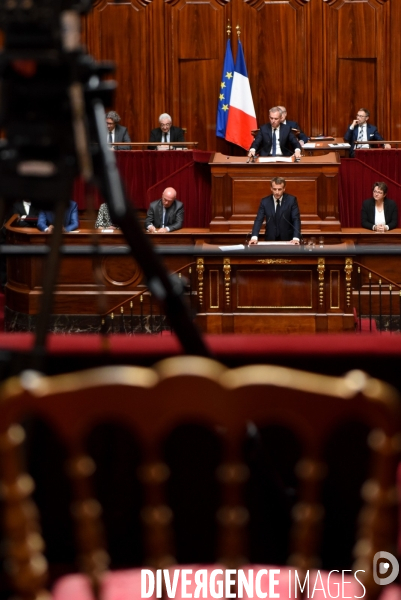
{"x":283,"y":221}
{"x":166,"y":133}
{"x":275,"y":139}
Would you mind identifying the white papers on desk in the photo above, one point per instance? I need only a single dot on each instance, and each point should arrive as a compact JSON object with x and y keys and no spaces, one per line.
{"x":107,"y":230}
{"x":273,"y":159}
{"x":229,"y":248}
{"x":345,"y":145}
{"x":309,"y":145}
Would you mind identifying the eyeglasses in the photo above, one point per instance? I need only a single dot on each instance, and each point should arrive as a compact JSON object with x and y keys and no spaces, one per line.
{"x":165,"y":124}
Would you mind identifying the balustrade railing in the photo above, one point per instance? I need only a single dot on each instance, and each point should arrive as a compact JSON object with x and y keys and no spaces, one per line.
{"x":141,"y":313}
{"x":378,"y":301}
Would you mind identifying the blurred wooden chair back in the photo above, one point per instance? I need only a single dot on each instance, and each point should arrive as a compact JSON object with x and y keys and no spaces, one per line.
{"x":152,"y":402}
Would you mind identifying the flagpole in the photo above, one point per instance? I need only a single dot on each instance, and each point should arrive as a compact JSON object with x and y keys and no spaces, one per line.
{"x":241,"y":119}
{"x":225,"y":87}
{"x":229,"y":36}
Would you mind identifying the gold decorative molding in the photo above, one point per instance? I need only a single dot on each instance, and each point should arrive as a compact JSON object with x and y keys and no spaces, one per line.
{"x":227,"y":279}
{"x":320,"y":269}
{"x":200,"y":268}
{"x":348,"y":276}
{"x":274,"y":261}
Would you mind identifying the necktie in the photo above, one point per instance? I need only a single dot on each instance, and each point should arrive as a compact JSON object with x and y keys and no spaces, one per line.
{"x":110,"y":140}
{"x":360,"y":136}
{"x":278,"y":211}
{"x":164,"y":137}
{"x":274,"y":142}
{"x":164,"y":213}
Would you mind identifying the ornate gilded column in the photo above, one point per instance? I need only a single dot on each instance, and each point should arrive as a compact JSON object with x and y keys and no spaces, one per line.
{"x":200,"y":268}
{"x":320,"y":269}
{"x":227,"y":280}
{"x":348,"y":277}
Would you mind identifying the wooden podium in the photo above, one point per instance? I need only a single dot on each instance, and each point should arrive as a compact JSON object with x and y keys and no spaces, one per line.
{"x":301,"y":292}
{"x":239,"y":186}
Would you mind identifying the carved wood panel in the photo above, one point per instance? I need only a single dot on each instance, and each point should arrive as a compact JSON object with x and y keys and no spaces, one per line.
{"x":356,"y":68}
{"x":119,"y":32}
{"x":195,"y":63}
{"x":322,"y":59}
{"x":281,"y":68}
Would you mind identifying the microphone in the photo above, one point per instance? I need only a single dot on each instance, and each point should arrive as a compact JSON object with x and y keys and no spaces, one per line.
{"x":292,"y":225}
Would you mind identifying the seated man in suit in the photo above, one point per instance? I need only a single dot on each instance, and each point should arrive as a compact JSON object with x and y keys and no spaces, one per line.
{"x":46,"y":219}
{"x":166,"y":133}
{"x":166,"y":214}
{"x":28,"y":214}
{"x":275,"y":139}
{"x":360,"y":130}
{"x":283,"y":221}
{"x":116,"y":132}
{"x":302,"y":137}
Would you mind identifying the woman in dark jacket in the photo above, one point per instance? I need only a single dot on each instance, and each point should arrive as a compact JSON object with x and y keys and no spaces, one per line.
{"x":379,"y":213}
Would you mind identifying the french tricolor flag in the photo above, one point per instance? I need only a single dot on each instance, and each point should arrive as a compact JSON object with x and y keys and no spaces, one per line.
{"x":241,"y":117}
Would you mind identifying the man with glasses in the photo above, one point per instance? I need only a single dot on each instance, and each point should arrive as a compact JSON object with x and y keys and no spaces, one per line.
{"x":166,"y":133}
{"x":116,"y":132}
{"x":166,"y":214}
{"x":361,"y":131}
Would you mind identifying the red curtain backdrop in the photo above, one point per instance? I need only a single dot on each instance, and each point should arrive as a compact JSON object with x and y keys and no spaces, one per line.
{"x":147,"y":173}
{"x":387,"y":162}
{"x":357,"y":175}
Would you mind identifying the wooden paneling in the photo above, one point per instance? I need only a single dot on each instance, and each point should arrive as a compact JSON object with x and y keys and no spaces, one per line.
{"x":356,"y":31}
{"x":119,"y":32}
{"x":281,"y":76}
{"x":197,"y":32}
{"x":274,"y":288}
{"x":357,"y":63}
{"x":323,"y":59}
{"x":238,"y":187}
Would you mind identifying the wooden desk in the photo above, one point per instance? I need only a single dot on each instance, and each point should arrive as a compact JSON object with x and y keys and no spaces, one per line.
{"x":325,"y":146}
{"x":239,"y":186}
{"x":78,"y":300}
{"x":254,"y":293}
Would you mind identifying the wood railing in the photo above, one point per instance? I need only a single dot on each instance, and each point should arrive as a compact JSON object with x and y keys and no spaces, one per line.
{"x":141,"y":313}
{"x":378,"y":301}
{"x":174,"y":145}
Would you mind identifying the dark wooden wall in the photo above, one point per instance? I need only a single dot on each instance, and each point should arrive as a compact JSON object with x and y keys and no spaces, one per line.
{"x":323,"y":59}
